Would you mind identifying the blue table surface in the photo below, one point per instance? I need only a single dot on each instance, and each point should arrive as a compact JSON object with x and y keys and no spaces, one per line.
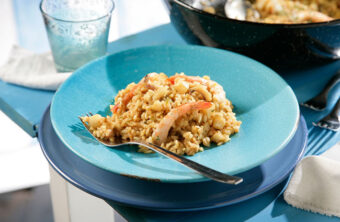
{"x":26,"y":106}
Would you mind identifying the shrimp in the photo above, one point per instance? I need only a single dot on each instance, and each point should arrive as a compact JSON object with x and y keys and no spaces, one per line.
{"x":313,"y":16}
{"x":162,"y":130}
{"x":188,"y":79}
{"x":127,"y":97}
{"x":269,"y":7}
{"x":216,"y":89}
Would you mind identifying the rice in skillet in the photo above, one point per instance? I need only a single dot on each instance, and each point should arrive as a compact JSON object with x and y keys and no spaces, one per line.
{"x":179,"y":113}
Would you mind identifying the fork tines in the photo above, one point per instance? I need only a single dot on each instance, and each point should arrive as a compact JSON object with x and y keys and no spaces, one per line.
{"x":319,"y":102}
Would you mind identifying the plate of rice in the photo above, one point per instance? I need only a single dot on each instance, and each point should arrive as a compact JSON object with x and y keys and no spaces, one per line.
{"x":216,"y":107}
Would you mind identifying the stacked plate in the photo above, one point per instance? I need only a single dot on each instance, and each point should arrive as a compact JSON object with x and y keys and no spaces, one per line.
{"x":270,"y":143}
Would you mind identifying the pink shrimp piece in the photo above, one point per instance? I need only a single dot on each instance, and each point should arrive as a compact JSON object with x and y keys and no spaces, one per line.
{"x":313,"y":16}
{"x":188,"y":79}
{"x":163,"y":128}
{"x":114,"y":109}
{"x":127,"y":97}
{"x":214,"y":87}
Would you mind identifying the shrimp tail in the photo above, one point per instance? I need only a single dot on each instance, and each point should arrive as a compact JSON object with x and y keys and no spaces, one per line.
{"x":131,"y":93}
{"x":115,"y":108}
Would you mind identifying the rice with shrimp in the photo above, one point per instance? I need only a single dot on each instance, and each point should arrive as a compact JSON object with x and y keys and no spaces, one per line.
{"x":181,"y":113}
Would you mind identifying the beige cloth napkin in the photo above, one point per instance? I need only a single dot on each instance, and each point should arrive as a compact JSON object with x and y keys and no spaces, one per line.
{"x":315,"y":186}
{"x":32,"y":70}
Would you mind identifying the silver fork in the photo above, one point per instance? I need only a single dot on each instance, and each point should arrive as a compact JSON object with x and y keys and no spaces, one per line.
{"x":203,"y":170}
{"x":319,"y":102}
{"x":331,"y":121}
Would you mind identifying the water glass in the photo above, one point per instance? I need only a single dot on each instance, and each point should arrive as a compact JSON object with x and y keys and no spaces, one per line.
{"x":77,"y":30}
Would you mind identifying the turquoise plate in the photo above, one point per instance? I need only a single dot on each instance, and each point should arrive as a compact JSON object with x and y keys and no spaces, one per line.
{"x":263,"y":101}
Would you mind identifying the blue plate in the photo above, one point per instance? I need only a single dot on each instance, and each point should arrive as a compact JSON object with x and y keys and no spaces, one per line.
{"x":168,"y":196}
{"x":264,"y":103}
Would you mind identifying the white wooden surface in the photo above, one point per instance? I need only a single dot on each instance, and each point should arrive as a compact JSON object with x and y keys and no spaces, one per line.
{"x":71,"y":204}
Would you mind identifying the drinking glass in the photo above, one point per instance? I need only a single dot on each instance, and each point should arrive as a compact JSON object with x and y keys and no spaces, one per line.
{"x":77,"y":30}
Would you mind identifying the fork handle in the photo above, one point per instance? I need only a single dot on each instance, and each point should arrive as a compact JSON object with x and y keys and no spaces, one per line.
{"x":203,"y":170}
{"x":330,"y":84}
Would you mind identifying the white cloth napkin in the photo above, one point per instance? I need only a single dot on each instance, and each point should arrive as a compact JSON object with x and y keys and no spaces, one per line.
{"x":315,"y":185}
{"x":32,"y":70}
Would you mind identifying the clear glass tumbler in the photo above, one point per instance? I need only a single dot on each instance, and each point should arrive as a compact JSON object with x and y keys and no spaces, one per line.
{"x":77,"y":30}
